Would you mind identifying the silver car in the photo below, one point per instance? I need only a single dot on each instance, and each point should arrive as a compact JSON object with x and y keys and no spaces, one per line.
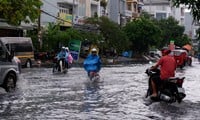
{"x":9,"y":71}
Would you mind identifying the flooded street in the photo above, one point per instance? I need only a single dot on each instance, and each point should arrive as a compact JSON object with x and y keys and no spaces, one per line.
{"x":41,"y":95}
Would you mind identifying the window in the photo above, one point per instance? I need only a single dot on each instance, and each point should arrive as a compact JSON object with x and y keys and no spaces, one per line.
{"x":24,"y":47}
{"x":160,"y":16}
{"x":129,"y":7}
{"x":2,"y":53}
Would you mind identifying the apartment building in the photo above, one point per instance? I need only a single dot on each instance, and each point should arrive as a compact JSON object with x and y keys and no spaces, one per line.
{"x":122,"y":11}
{"x":135,"y":7}
{"x":68,"y":12}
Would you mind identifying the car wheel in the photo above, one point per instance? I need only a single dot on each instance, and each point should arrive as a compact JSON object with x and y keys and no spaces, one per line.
{"x":10,"y":82}
{"x":28,"y":64}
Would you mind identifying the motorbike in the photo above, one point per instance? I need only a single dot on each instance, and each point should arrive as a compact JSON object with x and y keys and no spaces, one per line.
{"x":170,"y":91}
{"x":59,"y":65}
{"x":94,"y":76}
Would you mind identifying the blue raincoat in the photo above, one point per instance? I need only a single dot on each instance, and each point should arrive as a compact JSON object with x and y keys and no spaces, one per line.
{"x":62,"y":54}
{"x":92,"y":63}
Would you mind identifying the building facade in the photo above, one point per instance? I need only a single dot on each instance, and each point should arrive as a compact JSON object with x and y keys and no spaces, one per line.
{"x":162,"y":9}
{"x":191,"y":28}
{"x":68,"y":12}
{"x":122,"y":11}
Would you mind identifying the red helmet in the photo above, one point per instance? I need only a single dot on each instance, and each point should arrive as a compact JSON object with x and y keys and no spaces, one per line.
{"x":165,"y":50}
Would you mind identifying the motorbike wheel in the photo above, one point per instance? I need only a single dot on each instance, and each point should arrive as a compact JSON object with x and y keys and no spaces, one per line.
{"x":61,"y":66}
{"x":54,"y":68}
{"x":179,"y":100}
{"x":65,"y":70}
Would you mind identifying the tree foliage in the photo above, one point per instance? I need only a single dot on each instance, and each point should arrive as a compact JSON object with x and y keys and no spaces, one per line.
{"x":193,"y":5}
{"x":16,"y":11}
{"x":53,"y":38}
{"x":103,"y":3}
{"x":143,"y":34}
{"x":112,"y":35}
{"x":171,"y":30}
{"x":182,"y":40}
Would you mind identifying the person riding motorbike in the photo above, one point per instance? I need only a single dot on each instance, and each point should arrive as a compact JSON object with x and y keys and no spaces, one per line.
{"x":93,"y":62}
{"x":63,"y":55}
{"x":69,"y":58}
{"x":167,"y":66}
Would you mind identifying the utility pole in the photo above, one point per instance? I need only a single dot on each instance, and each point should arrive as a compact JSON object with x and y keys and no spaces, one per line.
{"x":119,"y":12}
{"x":39,"y":29}
{"x":73,"y":14}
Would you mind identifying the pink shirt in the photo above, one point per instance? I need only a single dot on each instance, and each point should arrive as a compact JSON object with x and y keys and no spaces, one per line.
{"x":70,"y":58}
{"x":168,"y":67}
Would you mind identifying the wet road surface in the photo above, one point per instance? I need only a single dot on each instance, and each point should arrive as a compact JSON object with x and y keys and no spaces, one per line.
{"x":41,"y":95}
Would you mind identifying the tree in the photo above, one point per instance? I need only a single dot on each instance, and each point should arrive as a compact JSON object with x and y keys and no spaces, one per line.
{"x":112,"y":35}
{"x":54,"y":38}
{"x":103,"y":3}
{"x":182,"y":40}
{"x":16,"y":11}
{"x":171,"y":30}
{"x":143,"y":34}
{"x":193,"y":5}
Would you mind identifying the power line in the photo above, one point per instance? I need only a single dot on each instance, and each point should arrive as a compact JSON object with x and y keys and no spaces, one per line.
{"x":54,"y":16}
{"x":51,"y":4}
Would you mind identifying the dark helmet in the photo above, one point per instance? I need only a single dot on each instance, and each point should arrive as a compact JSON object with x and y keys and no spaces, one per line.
{"x":165,"y":50}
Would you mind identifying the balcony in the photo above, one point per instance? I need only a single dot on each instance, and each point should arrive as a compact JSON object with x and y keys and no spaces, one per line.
{"x":128,"y":13}
{"x":140,"y":2}
{"x":95,"y":2}
{"x":131,"y":1}
{"x":69,"y":2}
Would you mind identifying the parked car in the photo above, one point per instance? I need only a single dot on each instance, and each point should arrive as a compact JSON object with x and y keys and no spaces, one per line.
{"x":182,"y":57}
{"x":9,"y":70}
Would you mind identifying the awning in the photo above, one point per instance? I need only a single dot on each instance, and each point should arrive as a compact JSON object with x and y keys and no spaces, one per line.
{"x":188,"y":47}
{"x":23,"y":26}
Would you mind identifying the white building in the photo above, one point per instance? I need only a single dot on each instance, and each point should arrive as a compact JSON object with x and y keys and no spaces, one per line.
{"x":122,"y":11}
{"x":68,"y":11}
{"x":161,"y":9}
{"x":191,"y":27}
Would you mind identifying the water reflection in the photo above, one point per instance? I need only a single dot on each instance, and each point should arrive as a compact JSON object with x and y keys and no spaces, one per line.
{"x":92,"y":96}
{"x":41,"y":95}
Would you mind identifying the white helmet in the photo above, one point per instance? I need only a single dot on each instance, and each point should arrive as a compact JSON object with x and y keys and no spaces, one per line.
{"x":66,"y":48}
{"x":63,"y":47}
{"x":94,"y":50}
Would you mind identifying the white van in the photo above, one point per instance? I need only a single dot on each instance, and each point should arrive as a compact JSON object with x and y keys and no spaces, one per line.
{"x":9,"y":71}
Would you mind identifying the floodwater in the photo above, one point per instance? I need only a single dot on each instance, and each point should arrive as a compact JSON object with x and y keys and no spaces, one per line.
{"x":41,"y":95}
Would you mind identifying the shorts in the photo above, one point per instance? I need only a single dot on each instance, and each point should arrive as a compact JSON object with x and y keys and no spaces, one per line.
{"x":157,"y":80}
